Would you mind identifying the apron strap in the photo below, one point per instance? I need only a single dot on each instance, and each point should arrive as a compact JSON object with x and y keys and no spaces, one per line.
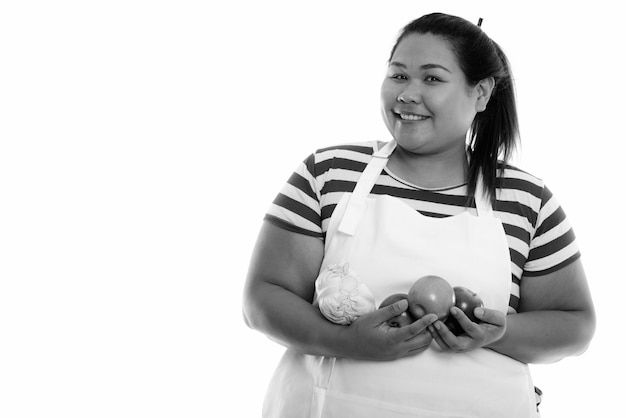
{"x":358,"y":199}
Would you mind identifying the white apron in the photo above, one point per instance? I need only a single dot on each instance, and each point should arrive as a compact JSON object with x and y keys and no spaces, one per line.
{"x":390,"y":245}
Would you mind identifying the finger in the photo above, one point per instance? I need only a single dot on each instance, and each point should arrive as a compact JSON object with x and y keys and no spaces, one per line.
{"x":419,"y":343}
{"x":418,"y":327}
{"x":444,"y":332}
{"x":391,"y":311}
{"x":467,"y":324}
{"x":435,"y":332}
{"x":491,"y":316}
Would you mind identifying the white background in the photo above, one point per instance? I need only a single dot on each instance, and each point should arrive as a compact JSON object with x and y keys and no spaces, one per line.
{"x":142,"y":142}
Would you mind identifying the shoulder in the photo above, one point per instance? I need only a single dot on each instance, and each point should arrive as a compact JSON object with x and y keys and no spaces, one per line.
{"x":349,"y":150}
{"x":520,"y":197}
{"x":351,"y":156}
{"x":362,"y":147}
{"x":514,"y":178}
{"x":521,"y":187}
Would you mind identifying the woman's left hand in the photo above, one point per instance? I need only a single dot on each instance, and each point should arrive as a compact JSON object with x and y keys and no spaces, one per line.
{"x":490,"y":329}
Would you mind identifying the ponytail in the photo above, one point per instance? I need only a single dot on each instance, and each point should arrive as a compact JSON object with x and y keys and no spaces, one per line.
{"x":494,"y":133}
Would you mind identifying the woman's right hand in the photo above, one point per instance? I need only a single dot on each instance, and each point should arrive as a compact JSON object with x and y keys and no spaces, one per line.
{"x":372,"y":338}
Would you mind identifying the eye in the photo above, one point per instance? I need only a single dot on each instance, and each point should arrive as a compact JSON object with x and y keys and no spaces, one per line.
{"x":399,"y":77}
{"x":433,"y":79}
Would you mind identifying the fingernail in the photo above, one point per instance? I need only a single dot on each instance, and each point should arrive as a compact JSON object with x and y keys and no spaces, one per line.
{"x":402,"y":305}
{"x":479,"y":312}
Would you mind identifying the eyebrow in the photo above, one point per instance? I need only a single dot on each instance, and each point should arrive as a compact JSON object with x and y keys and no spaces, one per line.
{"x":423,"y":67}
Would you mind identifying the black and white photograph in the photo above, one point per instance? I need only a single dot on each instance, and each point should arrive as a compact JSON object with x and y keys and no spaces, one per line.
{"x":311,"y":209}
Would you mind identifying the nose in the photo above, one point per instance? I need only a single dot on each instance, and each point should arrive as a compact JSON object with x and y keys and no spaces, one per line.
{"x":410,"y":95}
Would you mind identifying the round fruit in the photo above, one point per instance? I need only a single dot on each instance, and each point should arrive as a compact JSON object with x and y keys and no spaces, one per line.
{"x":404,"y":318}
{"x":430,"y":294}
{"x":466,"y":300}
{"x":454,"y":326}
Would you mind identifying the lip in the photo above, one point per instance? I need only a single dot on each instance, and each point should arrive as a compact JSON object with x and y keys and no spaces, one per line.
{"x":409,"y":116}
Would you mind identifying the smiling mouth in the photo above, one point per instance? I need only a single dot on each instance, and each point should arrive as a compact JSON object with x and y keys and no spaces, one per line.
{"x":411,"y":117}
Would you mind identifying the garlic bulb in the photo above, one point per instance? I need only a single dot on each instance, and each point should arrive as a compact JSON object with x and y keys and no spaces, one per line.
{"x":342,"y":297}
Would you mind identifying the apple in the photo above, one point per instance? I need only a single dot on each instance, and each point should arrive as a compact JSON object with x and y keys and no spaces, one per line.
{"x":404,"y":318}
{"x":466,"y":300}
{"x":430,"y":294}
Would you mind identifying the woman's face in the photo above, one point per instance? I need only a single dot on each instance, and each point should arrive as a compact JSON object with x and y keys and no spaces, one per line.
{"x":426,"y":101}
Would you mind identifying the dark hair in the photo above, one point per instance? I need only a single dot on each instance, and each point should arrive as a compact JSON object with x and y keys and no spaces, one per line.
{"x":494,"y":133}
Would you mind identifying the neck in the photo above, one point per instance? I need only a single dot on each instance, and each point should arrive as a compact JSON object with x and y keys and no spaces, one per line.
{"x":431,"y":171}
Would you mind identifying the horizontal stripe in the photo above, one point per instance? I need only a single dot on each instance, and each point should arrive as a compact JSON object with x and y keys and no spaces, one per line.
{"x":327,"y":211}
{"x":297,"y":207}
{"x":553,"y":246}
{"x":421,"y":195}
{"x":297,"y":195}
{"x":432,"y":214}
{"x":552,"y":221}
{"x":361,"y":149}
{"x":333,"y":186}
{"x":546,"y":197}
{"x":339,"y":164}
{"x":521,"y":185}
{"x":516,"y":271}
{"x":290,"y":227}
{"x":514,"y":302}
{"x":516,"y":208}
{"x":553,"y":259}
{"x":309,"y":163}
{"x":516,"y":282}
{"x":518,"y":232}
{"x":554,"y":268}
{"x":302,"y":184}
{"x":293,"y":219}
{"x":517,"y":258}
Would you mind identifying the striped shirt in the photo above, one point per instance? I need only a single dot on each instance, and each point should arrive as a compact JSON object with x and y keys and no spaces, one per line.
{"x":539,"y":235}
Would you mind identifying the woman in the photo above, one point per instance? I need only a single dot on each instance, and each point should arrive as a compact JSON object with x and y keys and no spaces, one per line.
{"x":433,"y":200}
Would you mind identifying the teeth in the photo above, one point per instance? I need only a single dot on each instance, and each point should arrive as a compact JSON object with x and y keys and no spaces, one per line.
{"x":404,"y":116}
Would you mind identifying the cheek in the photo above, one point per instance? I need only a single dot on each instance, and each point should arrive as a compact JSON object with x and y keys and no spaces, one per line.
{"x":385,"y":112}
{"x":388,"y":94}
{"x":466,"y":111}
{"x":457,"y":115}
{"x":450,"y":107}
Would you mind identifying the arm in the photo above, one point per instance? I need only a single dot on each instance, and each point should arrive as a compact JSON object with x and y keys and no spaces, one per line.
{"x":278,"y":293}
{"x":556,"y":318}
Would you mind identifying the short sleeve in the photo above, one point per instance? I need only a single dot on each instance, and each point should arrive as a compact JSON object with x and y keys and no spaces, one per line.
{"x":553,"y":244}
{"x":297,"y":206}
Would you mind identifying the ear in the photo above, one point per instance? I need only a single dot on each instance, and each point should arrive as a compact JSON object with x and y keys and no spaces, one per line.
{"x":484,"y":88}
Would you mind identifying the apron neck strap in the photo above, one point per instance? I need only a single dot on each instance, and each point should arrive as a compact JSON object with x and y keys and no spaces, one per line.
{"x":358,"y":199}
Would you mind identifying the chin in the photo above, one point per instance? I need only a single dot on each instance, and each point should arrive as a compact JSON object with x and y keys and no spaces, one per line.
{"x":413,"y":144}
